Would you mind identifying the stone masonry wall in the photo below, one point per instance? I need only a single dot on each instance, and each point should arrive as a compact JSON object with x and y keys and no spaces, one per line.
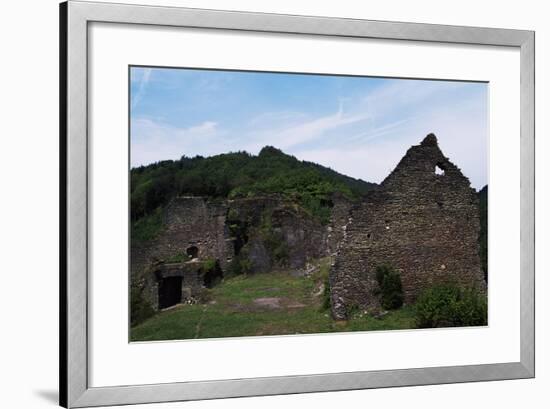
{"x":197,"y":222}
{"x":339,"y":219}
{"x":424,"y":224}
{"x":191,"y":285}
{"x":188,"y":221}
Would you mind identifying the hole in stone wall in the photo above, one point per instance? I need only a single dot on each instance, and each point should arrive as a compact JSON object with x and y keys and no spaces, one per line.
{"x":439,"y":171}
{"x":439,"y":204}
{"x":169,"y":291}
{"x":192,"y":252}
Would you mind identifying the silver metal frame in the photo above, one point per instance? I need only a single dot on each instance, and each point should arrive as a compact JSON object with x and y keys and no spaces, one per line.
{"x":74,"y":388}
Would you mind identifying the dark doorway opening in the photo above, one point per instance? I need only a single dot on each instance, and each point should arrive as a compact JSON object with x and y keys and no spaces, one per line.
{"x":211,"y":274}
{"x":192,"y":252}
{"x":169,"y":292}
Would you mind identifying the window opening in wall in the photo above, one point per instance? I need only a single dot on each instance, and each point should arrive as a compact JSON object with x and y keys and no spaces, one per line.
{"x":192,"y":252}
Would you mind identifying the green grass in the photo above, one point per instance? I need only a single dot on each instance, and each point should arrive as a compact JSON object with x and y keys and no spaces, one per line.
{"x":233,"y":311}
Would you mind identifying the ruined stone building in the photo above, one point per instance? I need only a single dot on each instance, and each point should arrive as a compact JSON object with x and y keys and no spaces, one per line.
{"x":423,"y":220}
{"x":193,"y":229}
{"x":260,"y":232}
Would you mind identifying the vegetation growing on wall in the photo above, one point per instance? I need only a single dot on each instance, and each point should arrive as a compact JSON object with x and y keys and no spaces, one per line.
{"x":240,"y":264}
{"x":148,"y":226}
{"x":391,"y":291}
{"x":274,"y":240}
{"x":180,"y":257}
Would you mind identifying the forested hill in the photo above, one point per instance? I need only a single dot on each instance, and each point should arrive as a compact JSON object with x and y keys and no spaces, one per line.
{"x":239,"y":174}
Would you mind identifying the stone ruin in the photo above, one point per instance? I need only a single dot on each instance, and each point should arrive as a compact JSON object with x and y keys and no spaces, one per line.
{"x":220,"y":231}
{"x":194,"y":230}
{"x":422,"y":220}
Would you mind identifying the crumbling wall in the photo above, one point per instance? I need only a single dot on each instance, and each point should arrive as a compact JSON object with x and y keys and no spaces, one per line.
{"x":279,"y":233}
{"x":339,"y":219}
{"x":271,"y":232}
{"x":188,"y":222}
{"x":423,"y":220}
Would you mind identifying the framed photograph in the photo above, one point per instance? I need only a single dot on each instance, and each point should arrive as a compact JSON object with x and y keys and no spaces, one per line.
{"x":260,"y":204}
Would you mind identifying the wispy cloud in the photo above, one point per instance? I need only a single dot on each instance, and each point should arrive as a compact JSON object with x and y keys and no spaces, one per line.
{"x":153,"y":140}
{"x":306,"y":129}
{"x":360,"y":127}
{"x":142,"y":85}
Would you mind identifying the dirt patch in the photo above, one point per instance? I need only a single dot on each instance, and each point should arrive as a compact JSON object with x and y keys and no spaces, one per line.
{"x":267,"y":304}
{"x":295,"y":304}
{"x":238,"y":307}
{"x":272,"y":303}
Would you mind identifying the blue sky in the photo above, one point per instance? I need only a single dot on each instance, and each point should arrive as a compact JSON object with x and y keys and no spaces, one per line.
{"x":358,"y":126}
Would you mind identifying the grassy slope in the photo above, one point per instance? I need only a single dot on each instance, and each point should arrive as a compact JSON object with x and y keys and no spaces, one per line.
{"x":233,"y":311}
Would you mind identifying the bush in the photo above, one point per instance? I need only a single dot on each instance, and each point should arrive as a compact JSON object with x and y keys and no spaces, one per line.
{"x":140,"y":309}
{"x":211,"y":272}
{"x":451,"y":306}
{"x":391,"y":289}
{"x":352,"y":309}
{"x":178,"y":258}
{"x":325,"y":303}
{"x":240,"y":264}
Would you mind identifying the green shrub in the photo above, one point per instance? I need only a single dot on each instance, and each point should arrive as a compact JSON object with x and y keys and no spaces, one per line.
{"x":209,"y":264}
{"x":449,"y":305}
{"x":240,"y":264}
{"x":352,"y":309}
{"x":178,"y":258}
{"x":325,"y":304}
{"x":211,"y":272}
{"x":279,"y":250}
{"x":391,"y":289}
{"x":140,"y":309}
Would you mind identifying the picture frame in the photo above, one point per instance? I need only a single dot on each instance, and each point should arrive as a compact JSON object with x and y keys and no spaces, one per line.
{"x":75,"y":17}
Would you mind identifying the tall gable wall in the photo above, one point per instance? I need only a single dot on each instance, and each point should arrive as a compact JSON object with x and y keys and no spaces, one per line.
{"x":424,"y":224}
